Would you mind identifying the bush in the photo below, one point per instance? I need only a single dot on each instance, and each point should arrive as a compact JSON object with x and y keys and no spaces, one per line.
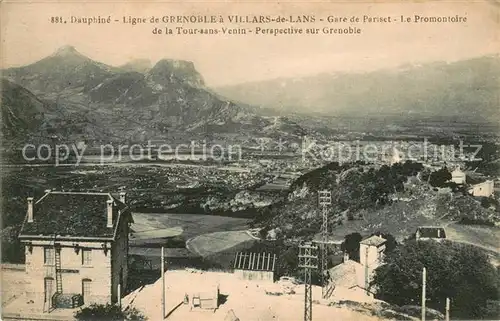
{"x":440,"y":177}
{"x":391,"y":242}
{"x":351,"y":245}
{"x":461,"y":272}
{"x":108,"y":312}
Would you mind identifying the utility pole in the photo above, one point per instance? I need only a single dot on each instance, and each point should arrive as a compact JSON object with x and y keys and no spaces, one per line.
{"x":424,"y":276}
{"x":119,"y":295}
{"x":325,"y":200}
{"x":367,"y":275}
{"x":308,"y":260}
{"x":447,"y":309}
{"x":162,"y":284}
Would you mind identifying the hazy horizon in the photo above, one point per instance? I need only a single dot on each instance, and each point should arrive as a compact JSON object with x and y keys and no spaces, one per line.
{"x":152,"y":63}
{"x":27,"y":37}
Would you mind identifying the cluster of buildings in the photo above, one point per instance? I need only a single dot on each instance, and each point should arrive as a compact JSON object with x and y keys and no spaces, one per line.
{"x":480,"y":189}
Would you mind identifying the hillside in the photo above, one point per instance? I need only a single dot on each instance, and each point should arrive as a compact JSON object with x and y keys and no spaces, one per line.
{"x":466,"y":89}
{"x":20,"y":108}
{"x":23,"y":114}
{"x":86,"y":100}
{"x":64,"y":69}
{"x":391,"y":199}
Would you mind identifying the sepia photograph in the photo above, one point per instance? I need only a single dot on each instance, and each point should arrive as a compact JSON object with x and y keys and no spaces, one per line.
{"x":250,"y":160}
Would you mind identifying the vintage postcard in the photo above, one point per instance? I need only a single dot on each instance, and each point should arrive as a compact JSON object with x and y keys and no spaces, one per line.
{"x":250,"y":160}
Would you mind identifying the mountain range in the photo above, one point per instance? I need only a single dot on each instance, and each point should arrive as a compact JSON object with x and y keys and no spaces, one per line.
{"x":467,"y":89}
{"x":75,"y":98}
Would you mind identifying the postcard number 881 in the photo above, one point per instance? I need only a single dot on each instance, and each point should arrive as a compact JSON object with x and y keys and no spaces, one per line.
{"x":56,"y":20}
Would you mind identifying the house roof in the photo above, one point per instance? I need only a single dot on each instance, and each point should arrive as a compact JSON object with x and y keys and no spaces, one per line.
{"x":346,"y":274}
{"x":431,"y":231}
{"x":74,"y":214}
{"x":483,"y":184}
{"x":373,"y":241}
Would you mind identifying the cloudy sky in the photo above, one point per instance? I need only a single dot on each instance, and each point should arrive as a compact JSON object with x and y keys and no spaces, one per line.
{"x":28,"y":35}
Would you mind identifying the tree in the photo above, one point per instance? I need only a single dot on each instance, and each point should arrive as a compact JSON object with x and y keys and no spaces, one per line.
{"x":390,"y":243}
{"x":351,"y":245}
{"x":440,"y":177}
{"x":108,"y":312}
{"x":460,"y":272}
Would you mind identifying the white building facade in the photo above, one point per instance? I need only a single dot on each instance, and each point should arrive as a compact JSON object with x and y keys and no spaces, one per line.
{"x":76,"y":245}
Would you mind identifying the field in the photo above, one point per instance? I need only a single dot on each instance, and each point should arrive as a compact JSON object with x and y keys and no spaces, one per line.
{"x":484,"y":237}
{"x":209,"y":244}
{"x":187,"y":225}
{"x":191,"y":239}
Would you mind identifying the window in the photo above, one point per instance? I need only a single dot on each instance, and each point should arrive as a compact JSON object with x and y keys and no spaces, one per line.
{"x":48,"y":289}
{"x":48,"y":255}
{"x":86,"y":289}
{"x":86,"y":257}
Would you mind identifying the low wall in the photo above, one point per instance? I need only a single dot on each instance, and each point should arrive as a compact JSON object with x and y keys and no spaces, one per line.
{"x":34,"y":317}
{"x":254,"y":275}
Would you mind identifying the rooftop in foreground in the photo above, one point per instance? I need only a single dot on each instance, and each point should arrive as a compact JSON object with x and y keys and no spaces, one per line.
{"x":73,"y":214}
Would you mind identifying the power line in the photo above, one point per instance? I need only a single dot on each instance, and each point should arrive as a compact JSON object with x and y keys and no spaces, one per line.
{"x":308,"y":260}
{"x":325,"y":200}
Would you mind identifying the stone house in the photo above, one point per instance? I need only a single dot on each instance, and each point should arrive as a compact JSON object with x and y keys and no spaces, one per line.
{"x":484,"y":189}
{"x":352,"y":275}
{"x":76,"y":245}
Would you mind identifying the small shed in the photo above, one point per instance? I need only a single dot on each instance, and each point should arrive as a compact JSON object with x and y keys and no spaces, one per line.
{"x":430,"y":232}
{"x":255,"y":266}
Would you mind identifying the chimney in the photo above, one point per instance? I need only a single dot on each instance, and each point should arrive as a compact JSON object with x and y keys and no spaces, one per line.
{"x":122,"y":197}
{"x":110,"y":214}
{"x":30,"y":209}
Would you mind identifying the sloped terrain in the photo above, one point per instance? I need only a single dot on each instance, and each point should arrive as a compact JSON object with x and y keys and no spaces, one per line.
{"x":83,"y":99}
{"x":465,"y":90}
{"x":65,"y":69}
{"x":366,"y":199}
{"x":22,"y":112}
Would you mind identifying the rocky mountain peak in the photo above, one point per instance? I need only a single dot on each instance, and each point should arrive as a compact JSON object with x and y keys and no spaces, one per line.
{"x":66,"y":51}
{"x":167,"y":71}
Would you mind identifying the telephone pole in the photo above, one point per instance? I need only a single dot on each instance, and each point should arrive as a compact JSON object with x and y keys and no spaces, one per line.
{"x":162,"y":284}
{"x":325,"y":200}
{"x":424,"y":276}
{"x":367,"y":275}
{"x":447,"y":309}
{"x":308,"y":260}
